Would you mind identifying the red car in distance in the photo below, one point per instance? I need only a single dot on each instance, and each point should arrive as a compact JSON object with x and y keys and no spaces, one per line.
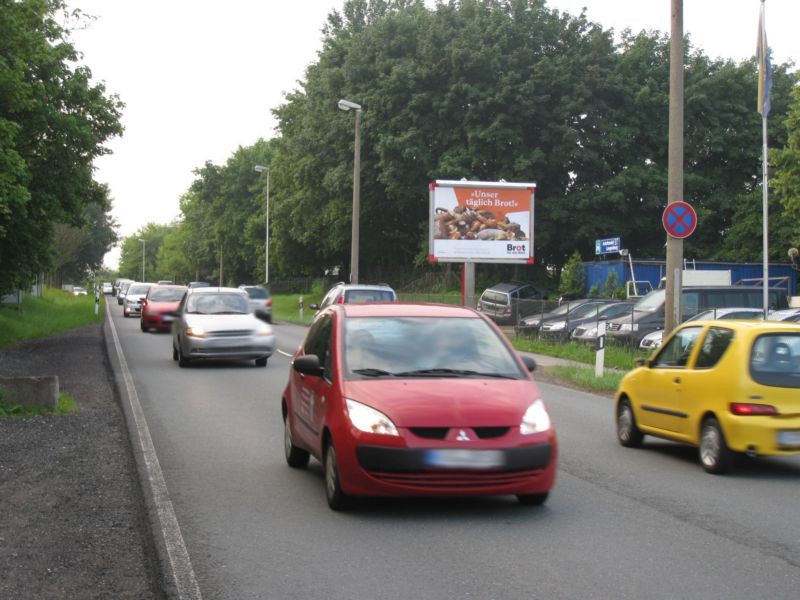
{"x":416,"y":400}
{"x":160,"y":301}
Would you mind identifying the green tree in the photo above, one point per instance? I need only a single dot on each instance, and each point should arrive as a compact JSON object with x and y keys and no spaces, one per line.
{"x":786,"y":179}
{"x":573,"y":277}
{"x":53,"y":123}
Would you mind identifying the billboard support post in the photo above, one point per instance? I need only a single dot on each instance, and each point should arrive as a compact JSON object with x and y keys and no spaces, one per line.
{"x":468,"y":285}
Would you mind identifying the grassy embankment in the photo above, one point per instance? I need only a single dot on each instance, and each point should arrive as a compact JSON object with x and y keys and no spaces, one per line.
{"x":54,"y":312}
{"x":618,"y":360}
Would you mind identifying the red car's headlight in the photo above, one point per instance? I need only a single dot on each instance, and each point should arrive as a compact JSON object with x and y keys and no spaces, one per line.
{"x":535,"y":419}
{"x":367,"y":419}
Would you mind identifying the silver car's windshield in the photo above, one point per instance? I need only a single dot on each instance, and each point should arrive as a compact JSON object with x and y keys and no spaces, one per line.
{"x":651,"y":302}
{"x":424,"y":347}
{"x":217,"y":304}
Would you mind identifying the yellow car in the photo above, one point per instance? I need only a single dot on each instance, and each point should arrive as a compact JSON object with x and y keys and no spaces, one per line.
{"x":726,"y":387}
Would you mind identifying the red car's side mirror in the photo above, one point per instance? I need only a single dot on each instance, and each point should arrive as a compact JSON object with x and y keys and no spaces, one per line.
{"x":308,"y":364}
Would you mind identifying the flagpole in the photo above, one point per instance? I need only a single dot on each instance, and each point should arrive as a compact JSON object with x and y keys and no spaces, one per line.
{"x":765,"y":211}
{"x":764,"y":85}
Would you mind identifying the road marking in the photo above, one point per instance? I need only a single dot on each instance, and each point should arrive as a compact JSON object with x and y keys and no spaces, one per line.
{"x":285,"y":353}
{"x":182,"y":573}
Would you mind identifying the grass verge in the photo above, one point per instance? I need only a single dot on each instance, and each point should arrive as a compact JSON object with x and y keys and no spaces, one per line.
{"x":285,"y":307}
{"x":617,"y":357}
{"x":54,"y":312}
{"x":65,"y":406}
{"x":584,"y":378}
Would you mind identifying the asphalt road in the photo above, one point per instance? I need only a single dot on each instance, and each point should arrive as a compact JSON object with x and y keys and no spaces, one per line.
{"x":620,"y":523}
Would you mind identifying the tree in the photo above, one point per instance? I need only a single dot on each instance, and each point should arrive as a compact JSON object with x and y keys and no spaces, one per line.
{"x":786,"y":179}
{"x":573,"y":277}
{"x":53,"y":124}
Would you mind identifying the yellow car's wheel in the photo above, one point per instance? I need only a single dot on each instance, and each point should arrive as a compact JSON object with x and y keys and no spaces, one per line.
{"x":628,"y":433}
{"x":715,"y":455}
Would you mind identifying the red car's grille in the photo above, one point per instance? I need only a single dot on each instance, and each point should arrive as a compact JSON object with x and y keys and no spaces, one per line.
{"x":455,"y":479}
{"x":440,"y":433}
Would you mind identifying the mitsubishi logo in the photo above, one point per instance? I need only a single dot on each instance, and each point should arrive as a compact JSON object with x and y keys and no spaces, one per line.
{"x":462,"y":436}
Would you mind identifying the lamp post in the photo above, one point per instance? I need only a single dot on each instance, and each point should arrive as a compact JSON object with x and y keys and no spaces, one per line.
{"x":347,"y":105}
{"x":261,"y":169}
{"x":144,"y":246}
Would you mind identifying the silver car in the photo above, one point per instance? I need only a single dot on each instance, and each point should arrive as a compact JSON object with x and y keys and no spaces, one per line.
{"x":132,"y":303}
{"x":217,"y":323}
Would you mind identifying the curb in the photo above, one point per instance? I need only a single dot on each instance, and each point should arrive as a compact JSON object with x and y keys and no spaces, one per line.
{"x":174,"y":567}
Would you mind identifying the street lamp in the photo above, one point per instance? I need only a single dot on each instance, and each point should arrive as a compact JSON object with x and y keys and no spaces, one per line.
{"x":261,"y":169}
{"x":347,"y":105}
{"x":144,"y":246}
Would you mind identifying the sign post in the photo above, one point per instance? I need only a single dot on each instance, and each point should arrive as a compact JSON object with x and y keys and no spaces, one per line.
{"x":680,"y":221}
{"x":600,"y":354}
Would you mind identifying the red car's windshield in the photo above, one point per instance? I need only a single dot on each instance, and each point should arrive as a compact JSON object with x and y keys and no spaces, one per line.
{"x":411,"y":346}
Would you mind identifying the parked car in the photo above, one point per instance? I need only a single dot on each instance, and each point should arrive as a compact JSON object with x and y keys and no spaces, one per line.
{"x":197,"y":284}
{"x":260,"y":301}
{"x":588,"y":313}
{"x":159,"y":305}
{"x":122,"y":291}
{"x":107,"y":288}
{"x":416,"y":400}
{"x":507,"y":303}
{"x":79,"y":291}
{"x":653,"y":340}
{"x":342,"y":293}
{"x":217,"y":323}
{"x":132,"y":305}
{"x":164,"y":282}
{"x":648,"y":313}
{"x":585,"y":329}
{"x":789,"y":314}
{"x":726,"y":387}
{"x":531,"y":324}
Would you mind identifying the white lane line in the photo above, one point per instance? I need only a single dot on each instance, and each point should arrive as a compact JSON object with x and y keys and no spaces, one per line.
{"x":285,"y":353}
{"x":183,"y":575}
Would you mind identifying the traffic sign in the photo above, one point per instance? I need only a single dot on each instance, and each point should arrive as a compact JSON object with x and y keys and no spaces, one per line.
{"x":679,"y":219}
{"x":607,"y":246}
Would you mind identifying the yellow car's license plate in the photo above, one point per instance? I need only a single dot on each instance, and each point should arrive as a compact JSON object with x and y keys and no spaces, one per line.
{"x":789,"y":438}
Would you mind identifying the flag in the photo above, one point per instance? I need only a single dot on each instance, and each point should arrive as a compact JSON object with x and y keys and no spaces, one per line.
{"x":764,"y":67}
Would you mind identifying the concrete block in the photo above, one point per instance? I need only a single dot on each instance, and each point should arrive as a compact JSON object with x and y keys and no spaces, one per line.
{"x":30,"y":391}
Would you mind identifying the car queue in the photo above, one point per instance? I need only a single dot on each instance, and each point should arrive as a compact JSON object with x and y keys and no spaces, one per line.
{"x":396,"y":399}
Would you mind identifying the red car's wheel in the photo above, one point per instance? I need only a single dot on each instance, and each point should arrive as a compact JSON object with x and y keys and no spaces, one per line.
{"x":297,"y":458}
{"x":533,"y":499}
{"x":337,"y":499}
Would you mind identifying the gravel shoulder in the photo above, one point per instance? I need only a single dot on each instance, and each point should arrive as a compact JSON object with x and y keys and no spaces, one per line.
{"x":72,"y":523}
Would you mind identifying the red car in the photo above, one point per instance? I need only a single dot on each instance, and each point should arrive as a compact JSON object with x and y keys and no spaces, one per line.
{"x":160,"y":301}
{"x":416,"y":400}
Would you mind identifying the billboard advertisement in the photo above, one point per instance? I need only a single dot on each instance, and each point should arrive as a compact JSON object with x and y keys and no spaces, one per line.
{"x":479,"y":221}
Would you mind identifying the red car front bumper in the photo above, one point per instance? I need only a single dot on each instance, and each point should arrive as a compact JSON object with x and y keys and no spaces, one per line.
{"x":410,"y":466}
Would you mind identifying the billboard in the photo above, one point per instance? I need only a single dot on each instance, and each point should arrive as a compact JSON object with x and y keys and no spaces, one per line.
{"x":479,"y":221}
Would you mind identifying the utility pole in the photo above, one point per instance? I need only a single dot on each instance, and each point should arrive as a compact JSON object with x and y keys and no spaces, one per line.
{"x":672,"y":307}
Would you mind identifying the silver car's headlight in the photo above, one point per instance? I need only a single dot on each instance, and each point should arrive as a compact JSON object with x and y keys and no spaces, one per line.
{"x":557,"y":325}
{"x":591,"y":332}
{"x":197,"y":332}
{"x":629,"y":327}
{"x":367,"y":419}
{"x":535,"y":419}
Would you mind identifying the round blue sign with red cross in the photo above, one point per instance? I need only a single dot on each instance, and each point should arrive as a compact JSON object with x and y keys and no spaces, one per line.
{"x":679,"y":219}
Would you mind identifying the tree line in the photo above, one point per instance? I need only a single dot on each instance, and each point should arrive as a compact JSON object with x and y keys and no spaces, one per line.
{"x":54,"y":121}
{"x":489,"y":90}
{"x":480,"y":89}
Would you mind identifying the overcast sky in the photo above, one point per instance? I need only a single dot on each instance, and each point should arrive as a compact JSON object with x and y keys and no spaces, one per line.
{"x":199,"y":77}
